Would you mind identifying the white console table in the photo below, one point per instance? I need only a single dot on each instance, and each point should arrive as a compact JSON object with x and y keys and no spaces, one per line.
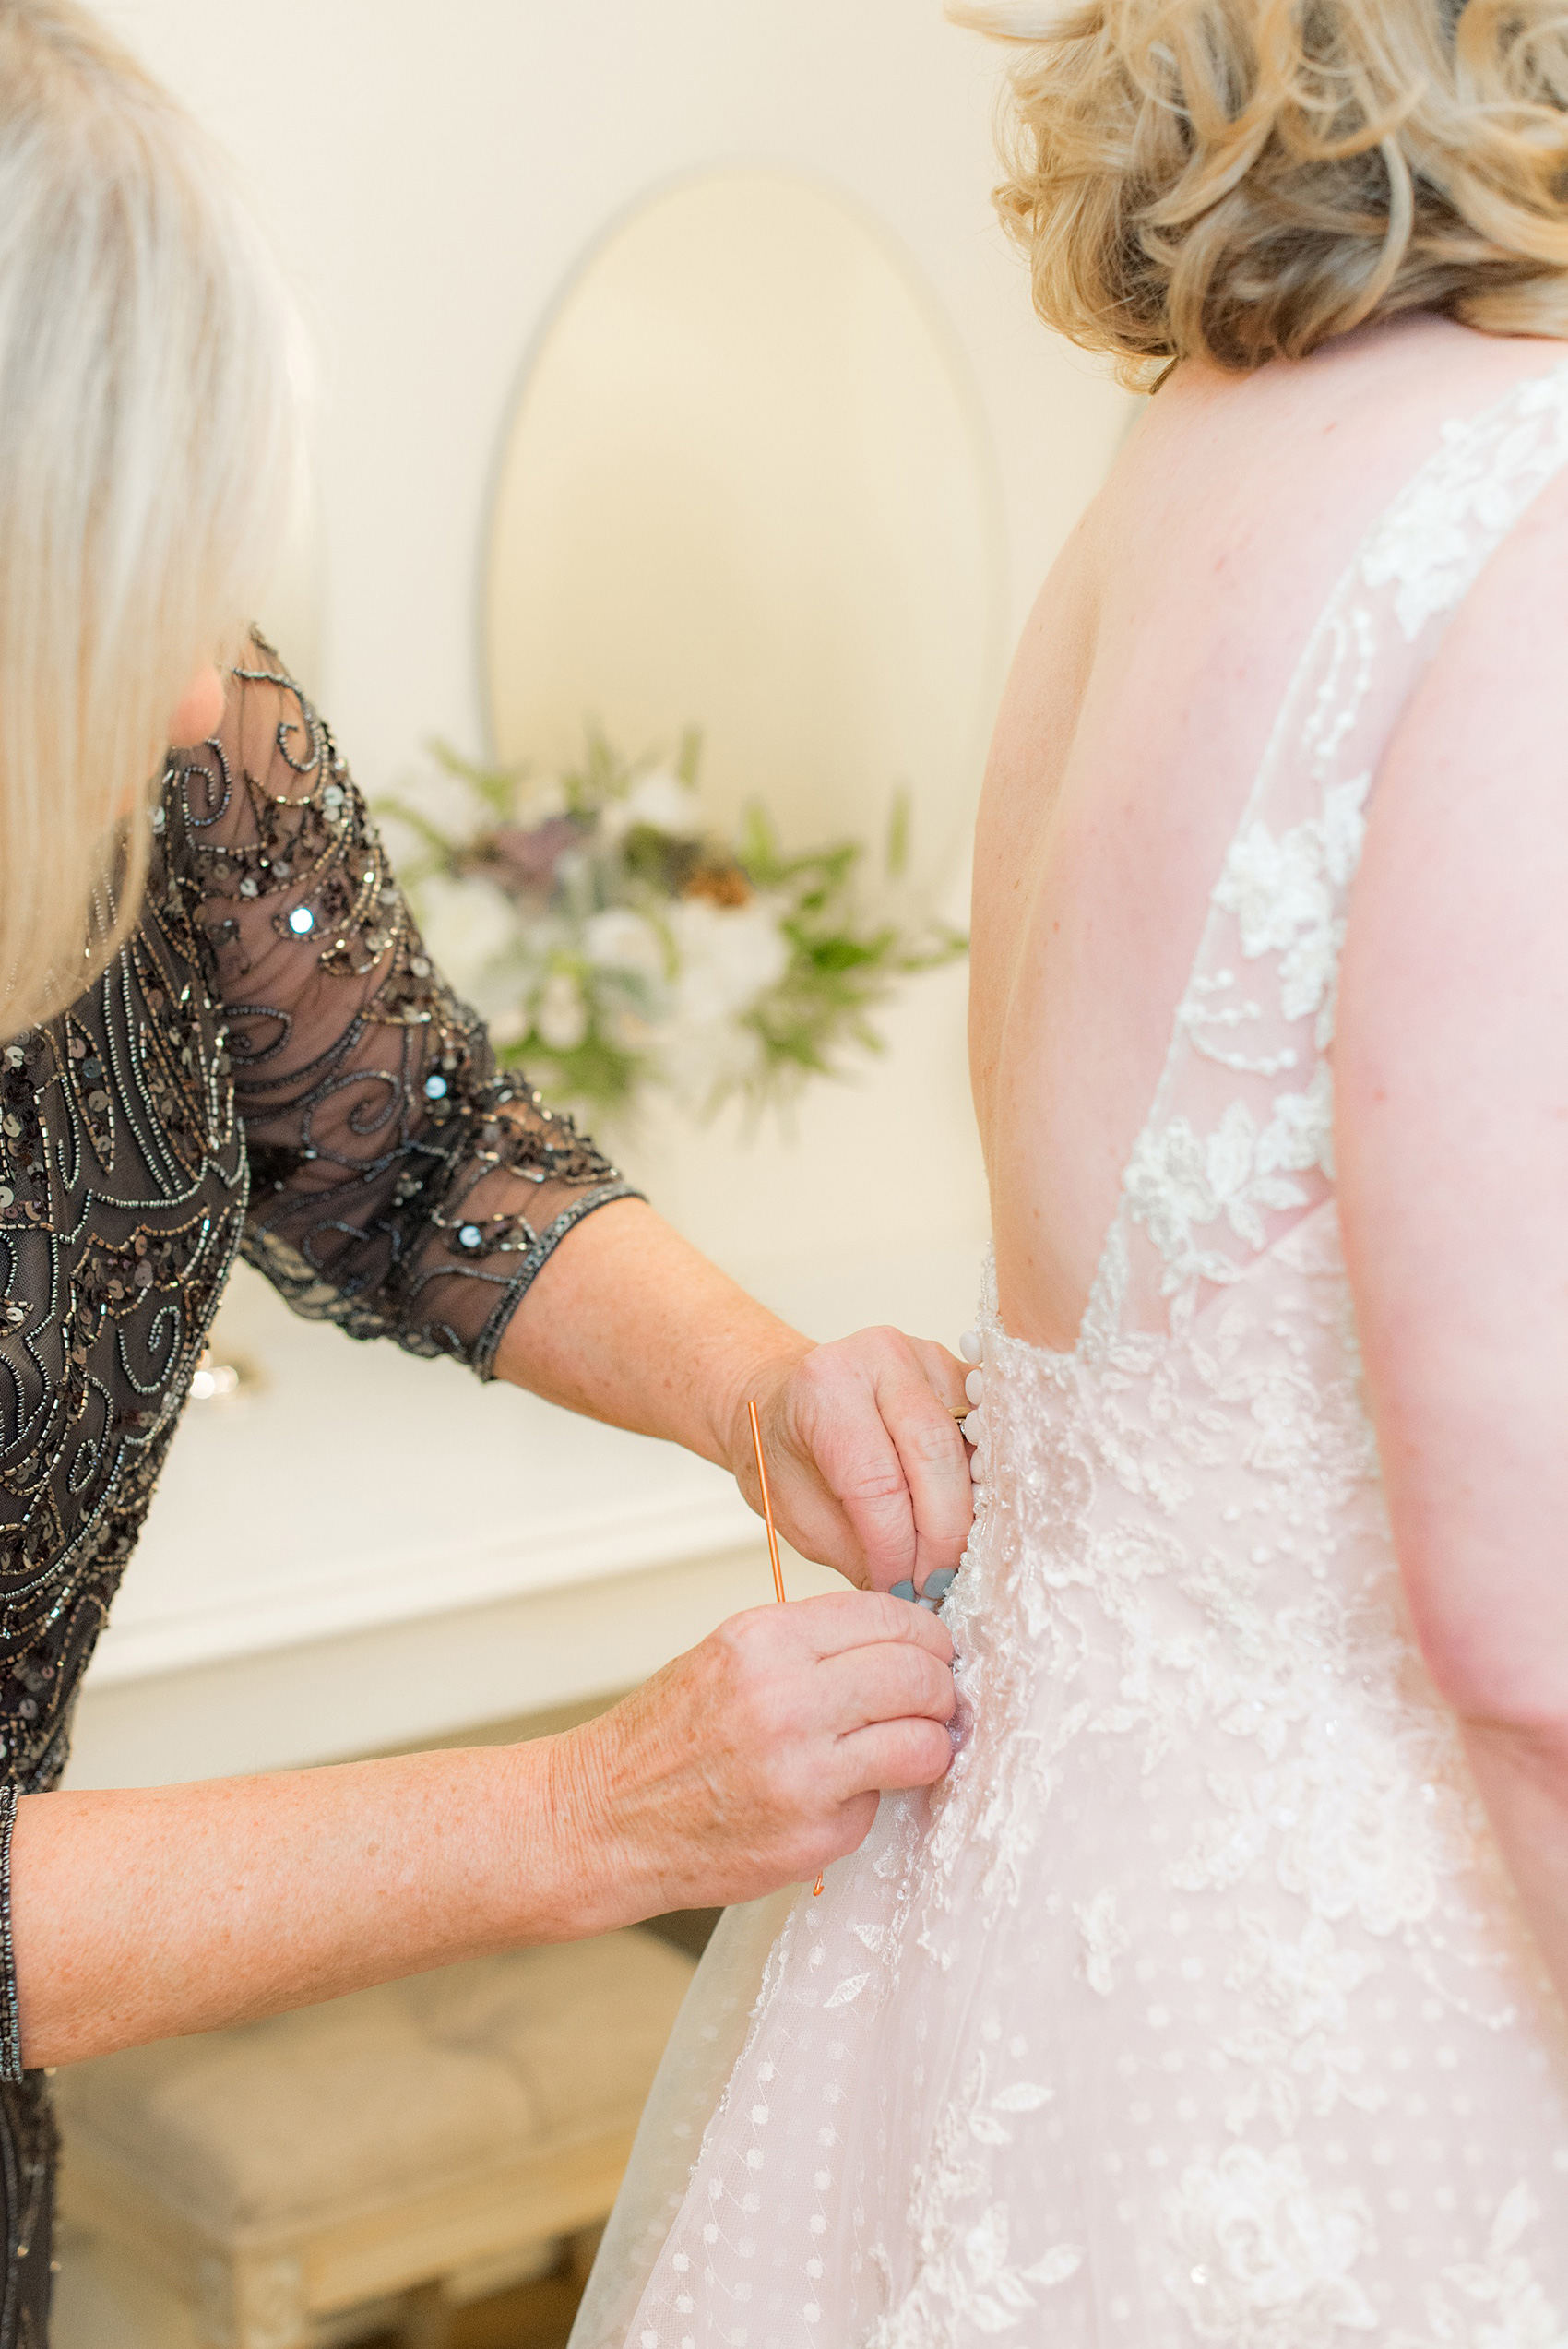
{"x":364,"y":1550}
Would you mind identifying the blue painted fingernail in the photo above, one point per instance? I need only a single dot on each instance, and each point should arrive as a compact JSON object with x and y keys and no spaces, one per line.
{"x":937,"y":1585}
{"x":902,"y":1590}
{"x":930,"y":1605}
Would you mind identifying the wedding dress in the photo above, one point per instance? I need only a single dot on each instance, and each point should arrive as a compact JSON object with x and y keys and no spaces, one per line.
{"x":1193,"y":2007}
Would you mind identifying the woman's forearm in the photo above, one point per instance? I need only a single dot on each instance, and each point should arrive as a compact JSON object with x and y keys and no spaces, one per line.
{"x":143,"y":1915}
{"x":746,"y":1764}
{"x":1523,"y":1777}
{"x":628,"y":1322}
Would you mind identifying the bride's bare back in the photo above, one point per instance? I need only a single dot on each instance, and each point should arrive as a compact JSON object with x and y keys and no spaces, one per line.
{"x":1138,"y":711}
{"x":1134,"y":723}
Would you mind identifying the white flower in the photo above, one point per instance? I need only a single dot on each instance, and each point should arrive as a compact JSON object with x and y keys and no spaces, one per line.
{"x":1305,"y":1982}
{"x":659,"y":800}
{"x":728,"y":956}
{"x":1361,"y":1820}
{"x":467,"y":927}
{"x":1368,"y":1824}
{"x":1261,"y":2258}
{"x":542,"y":801}
{"x":561,"y":1016}
{"x":1292,"y":2030}
{"x":1433,"y":539}
{"x":700,"y":1062}
{"x":618,"y":939}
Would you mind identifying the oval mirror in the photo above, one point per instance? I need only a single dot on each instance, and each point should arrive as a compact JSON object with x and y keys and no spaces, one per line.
{"x":747,"y":486}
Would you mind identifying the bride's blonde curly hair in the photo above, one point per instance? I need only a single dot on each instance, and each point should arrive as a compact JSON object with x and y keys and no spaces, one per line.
{"x":1244,"y":179}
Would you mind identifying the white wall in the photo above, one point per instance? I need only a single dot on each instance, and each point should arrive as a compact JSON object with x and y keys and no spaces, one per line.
{"x":434,"y":176}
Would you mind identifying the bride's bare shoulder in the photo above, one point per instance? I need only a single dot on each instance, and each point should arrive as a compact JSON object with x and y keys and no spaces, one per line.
{"x":1451,"y":1082}
{"x":1357,"y":409}
{"x":1464,"y":874}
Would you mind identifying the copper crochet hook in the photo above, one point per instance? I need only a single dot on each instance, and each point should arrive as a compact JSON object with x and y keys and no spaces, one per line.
{"x":772,"y":1535}
{"x":766,"y":1505}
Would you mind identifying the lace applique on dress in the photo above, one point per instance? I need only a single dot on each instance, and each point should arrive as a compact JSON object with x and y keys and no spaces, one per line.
{"x":1193,"y":2007}
{"x":967,"y":2267}
{"x":1495,"y":2299}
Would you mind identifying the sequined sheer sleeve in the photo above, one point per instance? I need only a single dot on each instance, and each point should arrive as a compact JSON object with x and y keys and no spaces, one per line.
{"x":400,"y":1184}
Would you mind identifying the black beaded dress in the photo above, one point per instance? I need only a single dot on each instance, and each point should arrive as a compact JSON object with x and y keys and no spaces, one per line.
{"x":271,"y":1068}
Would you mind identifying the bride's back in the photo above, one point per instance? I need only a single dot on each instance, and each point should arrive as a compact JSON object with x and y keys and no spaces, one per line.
{"x":1298,"y":204}
{"x":1139,"y":709}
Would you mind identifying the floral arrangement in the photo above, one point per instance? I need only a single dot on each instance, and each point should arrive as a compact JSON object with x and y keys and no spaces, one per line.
{"x":613,"y":942}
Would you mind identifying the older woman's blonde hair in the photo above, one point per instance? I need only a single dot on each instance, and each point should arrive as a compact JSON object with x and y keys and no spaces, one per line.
{"x":1239,"y":180}
{"x":148,"y":359}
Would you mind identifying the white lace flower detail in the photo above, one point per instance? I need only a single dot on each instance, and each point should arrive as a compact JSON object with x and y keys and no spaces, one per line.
{"x":979,"y":2282}
{"x":1262,"y":2259}
{"x":1286,"y":894}
{"x":968,"y":2272}
{"x":1358,"y":1822}
{"x":1295,"y":2036}
{"x":1496,"y":2301}
{"x":1176,"y":1184}
{"x":1300,"y":1133}
{"x":1435,"y":537}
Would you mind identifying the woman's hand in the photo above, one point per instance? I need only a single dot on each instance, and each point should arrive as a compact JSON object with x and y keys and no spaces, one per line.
{"x":748,"y":1764}
{"x":866,"y":1467}
{"x":754,"y":1760}
{"x":865,"y":1463}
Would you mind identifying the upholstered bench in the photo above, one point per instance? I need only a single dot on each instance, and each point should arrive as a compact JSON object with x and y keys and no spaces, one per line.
{"x":285,"y":2171}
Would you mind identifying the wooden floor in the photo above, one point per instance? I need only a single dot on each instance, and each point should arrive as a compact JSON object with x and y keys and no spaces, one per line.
{"x":533,"y":2316}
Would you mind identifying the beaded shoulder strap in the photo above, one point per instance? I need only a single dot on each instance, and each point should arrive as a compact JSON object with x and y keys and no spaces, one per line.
{"x":1238,"y":1142}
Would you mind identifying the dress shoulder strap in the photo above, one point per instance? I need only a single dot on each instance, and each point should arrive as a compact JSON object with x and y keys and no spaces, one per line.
{"x":1238,"y":1140}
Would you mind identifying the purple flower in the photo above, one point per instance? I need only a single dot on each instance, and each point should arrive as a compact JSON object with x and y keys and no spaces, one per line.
{"x":523,"y":862}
